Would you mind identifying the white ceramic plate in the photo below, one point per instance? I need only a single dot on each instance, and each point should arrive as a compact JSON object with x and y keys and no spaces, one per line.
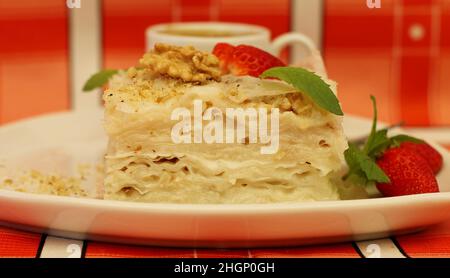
{"x":61,"y":141}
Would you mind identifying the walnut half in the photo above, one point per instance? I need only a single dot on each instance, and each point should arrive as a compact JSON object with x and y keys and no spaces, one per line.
{"x":185,"y":63}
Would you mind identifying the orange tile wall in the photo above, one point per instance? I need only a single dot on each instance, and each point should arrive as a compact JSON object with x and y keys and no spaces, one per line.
{"x":33,"y":58}
{"x":370,"y":51}
{"x":124,"y":22}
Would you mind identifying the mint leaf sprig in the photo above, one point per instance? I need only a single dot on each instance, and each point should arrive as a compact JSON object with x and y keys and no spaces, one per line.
{"x":308,"y":83}
{"x":363,"y":166}
{"x":362,"y":162}
{"x":99,"y":79}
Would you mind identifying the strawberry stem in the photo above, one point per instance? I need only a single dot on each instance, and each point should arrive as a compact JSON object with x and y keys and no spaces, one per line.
{"x":374,"y":125}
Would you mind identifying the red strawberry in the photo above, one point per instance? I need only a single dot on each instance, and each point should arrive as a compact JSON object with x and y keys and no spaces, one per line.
{"x":245,"y":59}
{"x":432,"y":156}
{"x":408,"y":171}
{"x":223,"y":51}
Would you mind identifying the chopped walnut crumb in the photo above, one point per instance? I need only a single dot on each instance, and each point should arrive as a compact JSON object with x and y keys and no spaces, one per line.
{"x":37,"y":182}
{"x":132,"y":72}
{"x":185,"y":63}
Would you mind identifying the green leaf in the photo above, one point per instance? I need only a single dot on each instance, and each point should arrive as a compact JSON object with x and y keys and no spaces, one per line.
{"x":380,"y":143}
{"x":308,"y":83}
{"x":358,"y":178}
{"x":398,"y":139}
{"x":357,"y":160}
{"x":350,"y":156}
{"x":99,"y":79}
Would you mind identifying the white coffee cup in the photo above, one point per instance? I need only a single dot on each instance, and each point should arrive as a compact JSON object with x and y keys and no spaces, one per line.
{"x":205,"y":35}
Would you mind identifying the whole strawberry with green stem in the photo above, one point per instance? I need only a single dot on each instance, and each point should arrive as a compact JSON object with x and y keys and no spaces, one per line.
{"x":398,"y":165}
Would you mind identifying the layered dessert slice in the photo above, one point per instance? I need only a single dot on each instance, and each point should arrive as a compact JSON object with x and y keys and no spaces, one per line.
{"x":177,"y":135}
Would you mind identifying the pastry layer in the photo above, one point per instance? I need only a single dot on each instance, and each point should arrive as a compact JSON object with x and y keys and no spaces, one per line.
{"x":144,"y":164}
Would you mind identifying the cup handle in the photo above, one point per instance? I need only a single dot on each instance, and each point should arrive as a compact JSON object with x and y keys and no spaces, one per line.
{"x":289,"y":38}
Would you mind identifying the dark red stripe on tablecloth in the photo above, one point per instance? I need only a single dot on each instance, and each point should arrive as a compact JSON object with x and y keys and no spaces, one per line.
{"x":222,"y":253}
{"x":433,"y":242}
{"x":106,"y":250}
{"x":18,"y":244}
{"x":345,"y":250}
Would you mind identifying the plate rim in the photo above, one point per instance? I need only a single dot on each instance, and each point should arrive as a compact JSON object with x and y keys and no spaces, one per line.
{"x":206,"y":209}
